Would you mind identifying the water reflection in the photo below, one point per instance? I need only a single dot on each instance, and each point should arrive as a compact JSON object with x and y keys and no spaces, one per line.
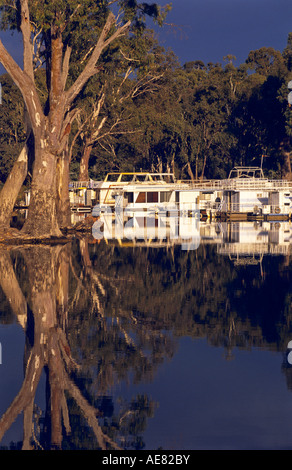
{"x":98,"y":313}
{"x":57,"y":282}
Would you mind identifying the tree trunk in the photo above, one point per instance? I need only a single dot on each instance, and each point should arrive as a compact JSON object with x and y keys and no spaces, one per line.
{"x":203,"y":169}
{"x":285,"y":151}
{"x":12,"y":187}
{"x":51,"y":128}
{"x":42,"y":213}
{"x":190,"y":172}
{"x":287,"y":173}
{"x":84,"y":163}
{"x":285,"y":148}
{"x":63,"y":201}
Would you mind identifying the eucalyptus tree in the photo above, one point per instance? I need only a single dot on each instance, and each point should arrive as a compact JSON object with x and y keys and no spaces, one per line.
{"x":52,"y":34}
{"x":259,"y":116}
{"x":132,"y":70}
{"x":287,"y":53}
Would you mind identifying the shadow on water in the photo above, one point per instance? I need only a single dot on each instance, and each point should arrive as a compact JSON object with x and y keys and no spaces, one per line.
{"x":97,"y":314}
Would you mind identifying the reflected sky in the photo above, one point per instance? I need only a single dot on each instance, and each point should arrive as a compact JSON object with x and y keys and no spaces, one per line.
{"x":219,"y":404}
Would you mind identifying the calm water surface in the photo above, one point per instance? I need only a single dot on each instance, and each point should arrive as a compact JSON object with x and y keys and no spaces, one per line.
{"x":145,"y":345}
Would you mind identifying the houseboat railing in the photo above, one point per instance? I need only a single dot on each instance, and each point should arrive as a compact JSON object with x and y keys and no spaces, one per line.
{"x":225,"y":184}
{"x":240,"y":184}
{"x":245,"y":249}
{"x":84,"y":184}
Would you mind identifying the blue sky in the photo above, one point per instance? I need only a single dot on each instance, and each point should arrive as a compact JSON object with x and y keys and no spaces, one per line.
{"x":208,"y":30}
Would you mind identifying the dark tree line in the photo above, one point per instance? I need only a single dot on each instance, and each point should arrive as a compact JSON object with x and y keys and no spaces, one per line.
{"x":198,"y":120}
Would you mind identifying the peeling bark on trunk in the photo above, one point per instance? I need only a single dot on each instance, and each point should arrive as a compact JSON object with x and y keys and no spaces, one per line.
{"x":12,"y":187}
{"x":42,"y":214}
{"x":63,"y":202}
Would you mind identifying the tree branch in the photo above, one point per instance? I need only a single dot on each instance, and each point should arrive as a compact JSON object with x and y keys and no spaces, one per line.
{"x":26,"y":36}
{"x":90,"y":414}
{"x":65,"y":66}
{"x":25,"y":84}
{"x":90,"y":68}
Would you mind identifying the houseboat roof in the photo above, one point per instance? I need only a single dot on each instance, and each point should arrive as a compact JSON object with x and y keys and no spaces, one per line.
{"x":246,"y":172}
{"x":141,"y":177}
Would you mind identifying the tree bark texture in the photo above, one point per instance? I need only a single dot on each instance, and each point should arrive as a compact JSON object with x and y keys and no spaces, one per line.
{"x":63,"y":201}
{"x":42,"y":214}
{"x":12,"y":187}
{"x":84,"y":163}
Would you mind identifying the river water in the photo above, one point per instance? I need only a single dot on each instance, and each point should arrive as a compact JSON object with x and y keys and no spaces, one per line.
{"x":146,"y":343}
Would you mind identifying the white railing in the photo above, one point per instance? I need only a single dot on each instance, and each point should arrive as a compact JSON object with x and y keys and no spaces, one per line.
{"x":84,"y":184}
{"x":226,"y":184}
{"x":240,"y":183}
{"x":252,"y":207}
{"x":242,"y":249}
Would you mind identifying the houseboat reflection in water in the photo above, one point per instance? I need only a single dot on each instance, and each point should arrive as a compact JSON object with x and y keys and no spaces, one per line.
{"x":234,"y":239}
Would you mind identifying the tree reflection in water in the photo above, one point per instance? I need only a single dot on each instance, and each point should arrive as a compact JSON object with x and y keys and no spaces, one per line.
{"x":41,"y":306}
{"x":96,"y":315}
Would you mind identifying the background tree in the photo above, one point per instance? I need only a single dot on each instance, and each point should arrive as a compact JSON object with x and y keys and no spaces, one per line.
{"x":133,"y":69}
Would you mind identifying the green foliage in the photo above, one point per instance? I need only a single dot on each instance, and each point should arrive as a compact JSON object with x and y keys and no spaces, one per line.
{"x":12,"y":129}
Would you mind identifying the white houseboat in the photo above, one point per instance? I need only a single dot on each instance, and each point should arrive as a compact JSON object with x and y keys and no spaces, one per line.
{"x":139,"y":192}
{"x":114,"y":182}
{"x":246,"y":193}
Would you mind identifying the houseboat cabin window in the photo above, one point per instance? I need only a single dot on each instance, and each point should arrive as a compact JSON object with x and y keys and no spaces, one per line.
{"x":129,"y":197}
{"x":152,"y":196}
{"x":141,"y":197}
{"x":149,"y":196}
{"x":165,"y":196}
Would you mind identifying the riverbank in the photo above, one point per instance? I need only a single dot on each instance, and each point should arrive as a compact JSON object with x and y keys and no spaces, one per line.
{"x":13,"y":236}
